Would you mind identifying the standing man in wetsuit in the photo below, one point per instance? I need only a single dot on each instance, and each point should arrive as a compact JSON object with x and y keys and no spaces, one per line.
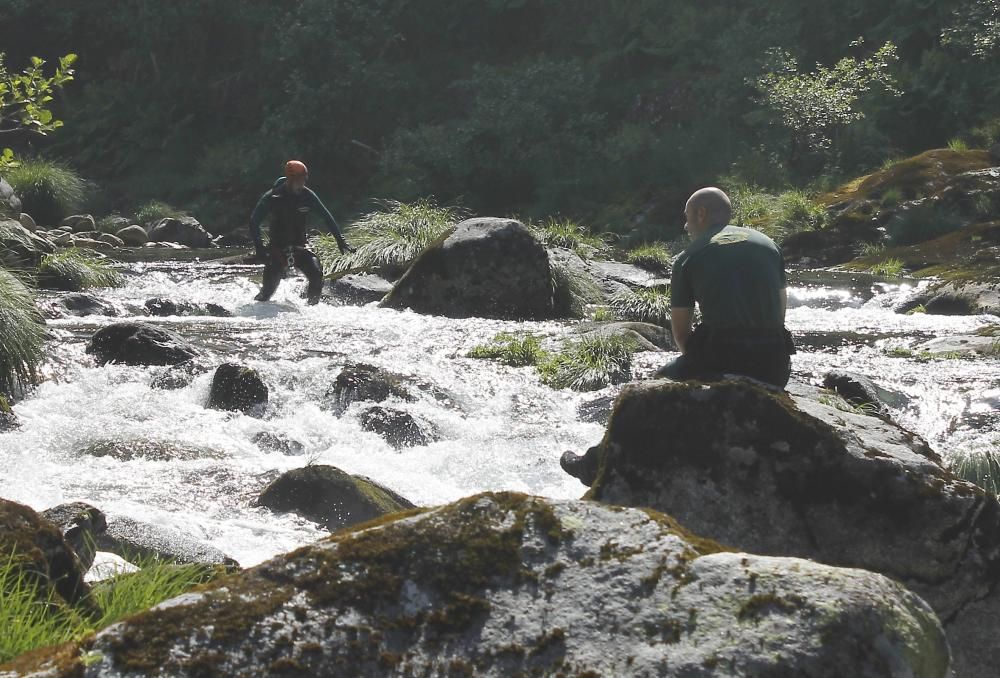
{"x":736,"y":276}
{"x":289,"y":203}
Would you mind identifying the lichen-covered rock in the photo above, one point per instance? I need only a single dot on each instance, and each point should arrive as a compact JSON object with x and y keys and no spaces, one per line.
{"x":81,"y":525}
{"x":773,"y":475}
{"x":330,"y":497}
{"x":137,"y":542}
{"x":492,"y":268}
{"x":236,"y":388}
{"x":183,"y":231}
{"x":10,"y":204}
{"x":501,"y":585}
{"x":43,"y":553}
{"x":364,"y":383}
{"x":139,"y":344}
{"x":398,"y":428}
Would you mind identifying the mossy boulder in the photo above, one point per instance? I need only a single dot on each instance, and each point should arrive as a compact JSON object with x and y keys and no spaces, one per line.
{"x":800,"y":476}
{"x":81,"y":525}
{"x":236,"y":388}
{"x":504,"y":585}
{"x":139,"y":542}
{"x":43,"y":555}
{"x":491,"y":268}
{"x":139,"y":344}
{"x":330,"y":497}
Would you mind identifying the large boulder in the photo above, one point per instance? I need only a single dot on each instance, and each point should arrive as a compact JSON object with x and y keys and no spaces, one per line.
{"x":183,"y":231}
{"x":799,"y":476}
{"x":360,"y":382}
{"x":19,"y":247}
{"x":501,"y":585}
{"x":330,"y":497}
{"x":10,"y":204}
{"x":238,"y":389}
{"x":81,"y":525}
{"x":139,"y":542}
{"x":644,"y":336}
{"x":133,"y":236}
{"x":491,"y":268}
{"x":139,"y":344}
{"x":43,"y":555}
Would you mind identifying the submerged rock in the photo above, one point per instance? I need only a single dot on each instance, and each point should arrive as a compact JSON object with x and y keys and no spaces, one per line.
{"x":80,"y":304}
{"x":278,"y":442}
{"x":81,"y":525}
{"x":178,"y":376}
{"x":505,"y":585}
{"x":183,"y":231}
{"x":492,"y":268}
{"x":358,"y":383}
{"x":130,"y":449}
{"x":139,"y":344}
{"x":236,"y":388}
{"x":165,"y":307}
{"x":398,"y":428}
{"x":782,"y":476}
{"x":330,"y":497}
{"x":136,"y":542}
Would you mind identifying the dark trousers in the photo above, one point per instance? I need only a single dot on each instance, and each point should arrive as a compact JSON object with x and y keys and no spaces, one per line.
{"x":277,"y":265}
{"x":762,"y":355}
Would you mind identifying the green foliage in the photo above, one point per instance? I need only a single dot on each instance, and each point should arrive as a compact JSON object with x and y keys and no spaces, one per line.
{"x":975,"y":28}
{"x":155,"y":581}
{"x":154,"y":210}
{"x":779,"y":215}
{"x":981,"y":467}
{"x":110,"y":224}
{"x":25,"y":99}
{"x":922,"y":222}
{"x":602,"y":314}
{"x":991,"y":330}
{"x":392,"y":236}
{"x":74,"y":269}
{"x":871,"y":249}
{"x":50,"y":191}
{"x":888,"y":268}
{"x":569,"y":234}
{"x":958,"y":144}
{"x":648,"y":305}
{"x":919,"y":309}
{"x":516,"y":350}
{"x":655,"y":256}
{"x":21,"y":333}
{"x":590,"y":363}
{"x":891,"y":197}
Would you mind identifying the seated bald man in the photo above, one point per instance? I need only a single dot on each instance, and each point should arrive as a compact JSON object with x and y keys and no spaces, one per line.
{"x":736,"y":277}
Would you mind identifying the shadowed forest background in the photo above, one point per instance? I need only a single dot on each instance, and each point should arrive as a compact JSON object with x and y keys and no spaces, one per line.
{"x":610,"y":112}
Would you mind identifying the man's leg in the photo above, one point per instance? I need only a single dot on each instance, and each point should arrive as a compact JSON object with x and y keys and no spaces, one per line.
{"x":684,"y":367}
{"x":310,"y":265}
{"x":274,"y":271}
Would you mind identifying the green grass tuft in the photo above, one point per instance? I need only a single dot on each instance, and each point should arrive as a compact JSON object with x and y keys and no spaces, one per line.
{"x":392,"y":236}
{"x":21,"y":333}
{"x":958,"y":144}
{"x":48,"y":190}
{"x":776,"y":215}
{"x":888,"y":268}
{"x":74,"y":269}
{"x":648,"y":305}
{"x":655,"y":257}
{"x":980,"y":467}
{"x":516,"y":350}
{"x":871,"y":249}
{"x":590,"y":363}
{"x":570,"y":235}
{"x":154,"y":210}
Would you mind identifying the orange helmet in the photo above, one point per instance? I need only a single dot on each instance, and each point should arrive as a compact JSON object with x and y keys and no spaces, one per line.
{"x":295,"y":168}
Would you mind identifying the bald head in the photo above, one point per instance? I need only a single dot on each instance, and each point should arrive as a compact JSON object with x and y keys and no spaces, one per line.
{"x":706,"y":208}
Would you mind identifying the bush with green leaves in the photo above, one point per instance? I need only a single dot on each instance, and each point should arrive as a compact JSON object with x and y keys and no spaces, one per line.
{"x":654,"y":256}
{"x":74,"y":269}
{"x":49,"y":191}
{"x":392,"y":236}
{"x":21,"y":333}
{"x":590,"y":363}
{"x":571,"y":235}
{"x":646,"y":305}
{"x":516,"y":350}
{"x":154,"y":210}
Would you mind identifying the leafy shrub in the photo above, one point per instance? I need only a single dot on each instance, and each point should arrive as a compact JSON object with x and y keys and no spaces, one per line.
{"x":48,"y":190}
{"x":590,"y":363}
{"x":571,"y":235}
{"x":648,"y":305}
{"x":393,"y":236}
{"x":154,"y":210}
{"x":511,"y":349}
{"x":655,"y":257}
{"x":920,"y":223}
{"x":74,"y":269}
{"x":21,"y":333}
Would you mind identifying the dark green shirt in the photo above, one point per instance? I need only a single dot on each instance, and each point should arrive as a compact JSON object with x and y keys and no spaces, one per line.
{"x":735,"y":274}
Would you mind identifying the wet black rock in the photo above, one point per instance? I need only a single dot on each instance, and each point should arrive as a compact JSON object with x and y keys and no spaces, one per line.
{"x":236,"y":388}
{"x":330,"y":497}
{"x":365,"y":383}
{"x":81,"y":525}
{"x":178,"y":376}
{"x":597,"y":410}
{"x":360,"y":289}
{"x":165,"y":307}
{"x":862,"y":392}
{"x":278,"y":442}
{"x":137,"y":542}
{"x":139,"y":344}
{"x":80,"y":304}
{"x":398,"y":428}
{"x":124,"y":449}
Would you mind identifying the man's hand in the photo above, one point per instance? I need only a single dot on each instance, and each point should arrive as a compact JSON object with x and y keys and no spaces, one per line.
{"x":259,"y":250}
{"x":344,"y":247}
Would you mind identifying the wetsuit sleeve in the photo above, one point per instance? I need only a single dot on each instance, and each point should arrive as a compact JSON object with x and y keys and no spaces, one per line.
{"x":681,"y":293}
{"x":258,"y":215}
{"x":331,"y":223}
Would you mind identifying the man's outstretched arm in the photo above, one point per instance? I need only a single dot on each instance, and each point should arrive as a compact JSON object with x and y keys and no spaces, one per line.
{"x":331,"y":223}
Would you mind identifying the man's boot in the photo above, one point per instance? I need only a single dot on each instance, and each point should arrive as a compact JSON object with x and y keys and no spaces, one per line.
{"x":582,"y":467}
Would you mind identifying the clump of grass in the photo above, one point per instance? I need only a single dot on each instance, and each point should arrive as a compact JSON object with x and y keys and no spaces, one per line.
{"x":647,"y":305}
{"x":590,"y":363}
{"x":570,"y":234}
{"x":889,"y":163}
{"x":392,"y":236}
{"x":516,"y":350}
{"x":49,"y":191}
{"x":155,"y":581}
{"x":919,"y":309}
{"x":154,"y":210}
{"x":572,"y":290}
{"x":655,"y":256}
{"x":981,"y":467}
{"x":958,"y":144}
{"x":778,"y":216}
{"x":602,"y":314}
{"x":74,"y":269}
{"x":871,"y":249}
{"x":21,"y":333}
{"x":891,"y":197}
{"x":888,"y":268}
